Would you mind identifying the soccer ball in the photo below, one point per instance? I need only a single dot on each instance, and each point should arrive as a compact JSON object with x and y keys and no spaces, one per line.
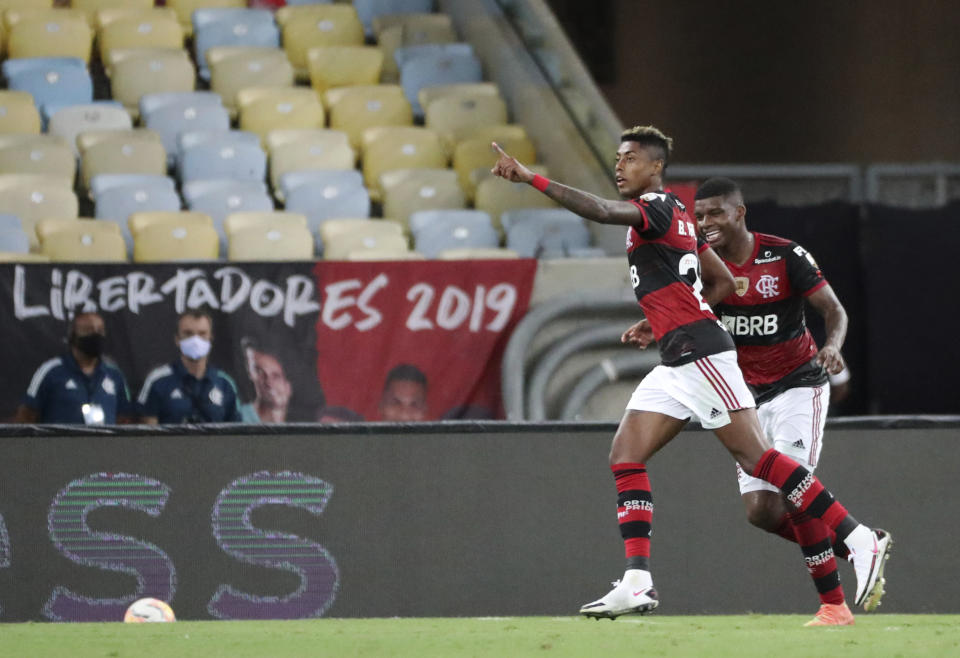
{"x":143,"y":610}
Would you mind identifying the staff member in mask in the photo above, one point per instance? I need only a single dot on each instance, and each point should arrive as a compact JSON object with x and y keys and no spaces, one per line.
{"x":77,"y":386}
{"x":189,"y":390}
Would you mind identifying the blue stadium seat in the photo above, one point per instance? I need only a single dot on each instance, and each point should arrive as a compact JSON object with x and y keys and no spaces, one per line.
{"x":342,"y":178}
{"x":14,"y":240}
{"x":434,"y":64}
{"x":118,"y":202}
{"x":220,"y":197}
{"x":323,"y":201}
{"x":103,"y":182}
{"x":438,"y":230}
{"x":52,"y":81}
{"x":367,"y":10}
{"x":230,"y":154}
{"x":170,"y":120}
{"x":231,"y":26}
{"x":10,"y":222}
{"x":12,"y":67}
{"x":545,"y":232}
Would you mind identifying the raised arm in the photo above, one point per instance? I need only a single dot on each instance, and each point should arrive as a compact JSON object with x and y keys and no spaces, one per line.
{"x":589,"y":206}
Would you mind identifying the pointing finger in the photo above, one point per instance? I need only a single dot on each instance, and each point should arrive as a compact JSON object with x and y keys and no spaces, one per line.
{"x":499,"y":150}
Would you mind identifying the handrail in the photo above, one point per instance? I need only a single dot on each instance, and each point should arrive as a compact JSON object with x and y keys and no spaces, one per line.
{"x":608,"y":370}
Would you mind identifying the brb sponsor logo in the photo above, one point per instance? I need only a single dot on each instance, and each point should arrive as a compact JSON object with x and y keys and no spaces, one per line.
{"x":755,"y":325}
{"x":796,"y":496}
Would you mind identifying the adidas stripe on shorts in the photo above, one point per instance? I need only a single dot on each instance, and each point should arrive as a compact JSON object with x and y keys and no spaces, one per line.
{"x":793,"y":422}
{"x":708,"y":388}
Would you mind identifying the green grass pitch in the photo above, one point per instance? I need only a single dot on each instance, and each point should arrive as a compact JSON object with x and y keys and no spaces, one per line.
{"x":743,"y":636}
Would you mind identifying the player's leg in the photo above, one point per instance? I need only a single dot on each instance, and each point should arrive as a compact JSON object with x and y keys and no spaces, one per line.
{"x":651,"y":420}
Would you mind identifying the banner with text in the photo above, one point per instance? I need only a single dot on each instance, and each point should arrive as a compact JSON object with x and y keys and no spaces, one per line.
{"x":304,"y":341}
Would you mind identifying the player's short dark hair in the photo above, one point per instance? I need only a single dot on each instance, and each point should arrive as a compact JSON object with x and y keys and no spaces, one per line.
{"x":650,"y":137}
{"x":717,"y":186}
{"x":406,"y":372}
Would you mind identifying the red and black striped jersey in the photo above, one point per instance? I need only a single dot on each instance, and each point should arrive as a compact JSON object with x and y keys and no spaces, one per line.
{"x":766,"y":319}
{"x":665,"y":274}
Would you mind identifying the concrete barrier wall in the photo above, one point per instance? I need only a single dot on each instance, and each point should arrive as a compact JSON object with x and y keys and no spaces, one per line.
{"x":435,"y":521}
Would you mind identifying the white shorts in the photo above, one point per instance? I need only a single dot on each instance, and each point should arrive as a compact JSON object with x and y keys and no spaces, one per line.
{"x":708,"y":388}
{"x":793,"y":422}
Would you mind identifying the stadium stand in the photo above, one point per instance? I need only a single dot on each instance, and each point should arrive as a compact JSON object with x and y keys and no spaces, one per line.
{"x":355,"y":109}
{"x":217,"y":27}
{"x":71,"y":120}
{"x":308,"y":26}
{"x":341,"y":66}
{"x":233,"y":68}
{"x":406,"y":191}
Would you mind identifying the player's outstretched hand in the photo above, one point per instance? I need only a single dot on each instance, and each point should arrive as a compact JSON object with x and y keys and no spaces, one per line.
{"x":831,"y":359}
{"x":509,"y":168}
{"x":639,"y":334}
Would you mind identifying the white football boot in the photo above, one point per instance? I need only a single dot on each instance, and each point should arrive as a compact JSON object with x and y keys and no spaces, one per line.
{"x":633,"y":595}
{"x":869,"y":551}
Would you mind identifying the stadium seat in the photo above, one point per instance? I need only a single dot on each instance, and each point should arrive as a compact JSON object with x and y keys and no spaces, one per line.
{"x":15,"y":240}
{"x":405,"y":191}
{"x":435,"y":64}
{"x":340,"y":178}
{"x":370,"y":10}
{"x":10,"y":222}
{"x":47,"y":227}
{"x":435,"y":231}
{"x":51,"y":80}
{"x":495,"y":196}
{"x":149,"y":71}
{"x":355,"y":109}
{"x":302,"y":150}
{"x":232,"y":154}
{"x":263,"y":109}
{"x":323,"y":201}
{"x":462,"y":89}
{"x":399,"y":251}
{"x":360,"y":235}
{"x":37,"y":154}
{"x":457,"y":118}
{"x":170,"y":120}
{"x":398,"y":147}
{"x":51,"y":36}
{"x":151,"y":102}
{"x":80,"y":241}
{"x":91,"y":8}
{"x":104,"y":182}
{"x":18,"y":114}
{"x":221,"y":197}
{"x":185,"y":9}
{"x":398,"y":30}
{"x":308,"y":26}
{"x":544,"y":232}
{"x":219,"y":27}
{"x":476,"y":152}
{"x":146,"y":29}
{"x":120,"y":152}
{"x":488,"y":253}
{"x":117,"y":203}
{"x":106,"y":15}
{"x":341,"y":66}
{"x":244,"y":219}
{"x":270,"y":243}
{"x":233,"y":68}
{"x":175,"y":241}
{"x":71,"y":120}
{"x":33,"y":197}
{"x":16,"y":257}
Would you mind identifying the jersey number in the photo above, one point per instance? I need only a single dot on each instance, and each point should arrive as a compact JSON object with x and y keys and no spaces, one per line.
{"x":690,"y":272}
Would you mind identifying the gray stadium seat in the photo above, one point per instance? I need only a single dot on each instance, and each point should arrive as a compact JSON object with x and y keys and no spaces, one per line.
{"x":545,"y":232}
{"x":435,"y":64}
{"x":221,"y":197}
{"x":14,"y":240}
{"x":342,"y":178}
{"x":52,"y":81}
{"x":368,"y":10}
{"x":118,"y":202}
{"x":174,"y":118}
{"x":151,"y":102}
{"x":435,"y":231}
{"x":323,"y":201}
{"x":230,"y":154}
{"x":231,"y":26}
{"x":10,"y":222}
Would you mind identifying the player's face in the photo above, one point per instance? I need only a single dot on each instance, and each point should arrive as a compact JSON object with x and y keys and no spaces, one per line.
{"x":403,"y":401}
{"x":269,"y":379}
{"x":636,"y":170}
{"x":719,"y":218}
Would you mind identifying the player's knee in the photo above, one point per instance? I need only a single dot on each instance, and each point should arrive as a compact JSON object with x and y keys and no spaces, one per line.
{"x":761,"y":517}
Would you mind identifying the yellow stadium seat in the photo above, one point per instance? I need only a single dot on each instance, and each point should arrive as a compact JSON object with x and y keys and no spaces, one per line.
{"x":120,"y":152}
{"x":477,"y":152}
{"x":92,"y":8}
{"x":355,"y":109}
{"x":365,"y":236}
{"x":308,"y":26}
{"x":33,"y":197}
{"x":14,"y":257}
{"x":405,"y":191}
{"x":25,"y":4}
{"x":298,"y":150}
{"x":150,"y":71}
{"x":463,"y":89}
{"x":233,"y":68}
{"x":263,"y":109}
{"x":495,"y":196}
{"x":166,"y":241}
{"x":138,"y":10}
{"x":458,"y":118}
{"x":239,"y":221}
{"x":47,"y":227}
{"x":15,"y":15}
{"x":273,"y":243}
{"x":396,"y":30}
{"x":385,"y":254}
{"x":341,"y":66}
{"x":51,"y":37}
{"x":18,"y":114}
{"x":37,"y":154}
{"x":79,"y":241}
{"x":332,"y":228}
{"x":185,"y":9}
{"x":140,"y":221}
{"x":490,"y":253}
{"x":142,"y":30}
{"x":399,"y":147}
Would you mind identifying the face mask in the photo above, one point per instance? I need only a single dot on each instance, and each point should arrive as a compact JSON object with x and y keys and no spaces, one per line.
{"x":195,"y":347}
{"x":90,"y":345}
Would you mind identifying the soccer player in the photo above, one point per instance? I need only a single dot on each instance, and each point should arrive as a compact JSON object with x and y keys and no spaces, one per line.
{"x":698,"y":374}
{"x":787,"y":373}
